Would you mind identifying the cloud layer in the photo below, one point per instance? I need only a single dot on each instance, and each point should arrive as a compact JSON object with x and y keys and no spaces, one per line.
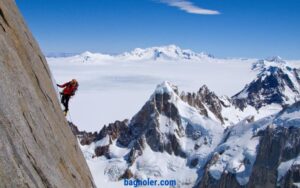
{"x":189,"y":7}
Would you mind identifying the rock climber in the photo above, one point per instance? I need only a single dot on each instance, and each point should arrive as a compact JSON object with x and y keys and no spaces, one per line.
{"x":69,"y":90}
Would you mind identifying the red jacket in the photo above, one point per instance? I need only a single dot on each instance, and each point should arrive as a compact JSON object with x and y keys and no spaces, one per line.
{"x":70,"y":88}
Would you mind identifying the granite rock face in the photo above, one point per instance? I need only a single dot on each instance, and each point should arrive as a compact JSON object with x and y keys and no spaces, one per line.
{"x":37,"y":147}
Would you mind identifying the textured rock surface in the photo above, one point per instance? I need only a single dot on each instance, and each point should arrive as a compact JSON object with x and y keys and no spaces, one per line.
{"x":275,"y":141}
{"x":37,"y":146}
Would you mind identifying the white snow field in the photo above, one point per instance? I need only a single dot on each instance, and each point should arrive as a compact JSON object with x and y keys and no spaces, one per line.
{"x":115,"y":87}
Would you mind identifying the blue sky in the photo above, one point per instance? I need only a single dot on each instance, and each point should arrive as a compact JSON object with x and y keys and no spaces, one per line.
{"x":224,"y":28}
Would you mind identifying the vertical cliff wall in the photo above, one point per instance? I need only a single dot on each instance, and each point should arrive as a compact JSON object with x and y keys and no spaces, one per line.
{"x":37,"y":148}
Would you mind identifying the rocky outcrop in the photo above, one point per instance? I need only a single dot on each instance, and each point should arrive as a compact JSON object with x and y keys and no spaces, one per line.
{"x":282,"y":144}
{"x":114,"y":131}
{"x":205,"y":100}
{"x":102,"y":150}
{"x":37,"y":146}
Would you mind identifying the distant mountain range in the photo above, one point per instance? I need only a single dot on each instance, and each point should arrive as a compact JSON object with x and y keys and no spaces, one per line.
{"x":163,"y":53}
{"x":170,"y":52}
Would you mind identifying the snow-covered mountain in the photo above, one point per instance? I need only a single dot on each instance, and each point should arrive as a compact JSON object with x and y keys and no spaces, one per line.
{"x":166,"y":53}
{"x":165,"y":139}
{"x":161,"y":53}
{"x":170,"y":139}
{"x":200,"y":140}
{"x":276,"y":83}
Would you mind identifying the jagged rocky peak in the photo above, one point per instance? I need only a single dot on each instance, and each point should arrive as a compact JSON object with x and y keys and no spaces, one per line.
{"x":204,"y":90}
{"x":206,"y":101}
{"x":213,"y":102}
{"x":276,"y":83}
{"x":158,"y":123}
